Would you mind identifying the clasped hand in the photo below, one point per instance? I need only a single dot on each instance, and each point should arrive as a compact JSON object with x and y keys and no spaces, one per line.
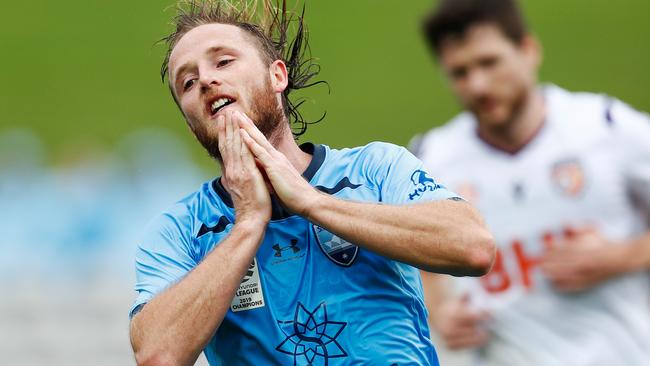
{"x":253,"y":169}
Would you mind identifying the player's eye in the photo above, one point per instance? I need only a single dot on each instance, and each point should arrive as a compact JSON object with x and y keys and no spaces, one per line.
{"x":458,"y":73}
{"x":225,"y":62}
{"x":488,"y":62}
{"x":188,"y":84}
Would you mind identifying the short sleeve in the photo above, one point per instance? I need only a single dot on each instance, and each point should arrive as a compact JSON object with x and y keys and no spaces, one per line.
{"x":633,"y":128}
{"x":163,"y":257}
{"x":403,"y":180}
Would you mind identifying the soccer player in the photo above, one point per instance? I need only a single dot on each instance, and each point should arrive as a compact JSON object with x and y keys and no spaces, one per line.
{"x":563,"y":180}
{"x":296,"y":255}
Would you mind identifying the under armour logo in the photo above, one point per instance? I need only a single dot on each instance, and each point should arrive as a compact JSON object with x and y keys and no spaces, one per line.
{"x":293,"y":247}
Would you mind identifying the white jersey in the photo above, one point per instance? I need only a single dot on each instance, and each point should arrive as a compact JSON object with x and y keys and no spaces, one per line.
{"x":588,"y":165}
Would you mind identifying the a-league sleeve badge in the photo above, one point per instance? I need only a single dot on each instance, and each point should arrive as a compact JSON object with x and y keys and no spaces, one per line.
{"x":336,"y":249}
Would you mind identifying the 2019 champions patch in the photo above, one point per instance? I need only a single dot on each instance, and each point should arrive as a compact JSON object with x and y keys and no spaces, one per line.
{"x":249,"y":295}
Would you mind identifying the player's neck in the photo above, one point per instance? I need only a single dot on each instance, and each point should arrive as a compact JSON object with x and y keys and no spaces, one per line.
{"x":285,"y":143}
{"x":512,"y":136}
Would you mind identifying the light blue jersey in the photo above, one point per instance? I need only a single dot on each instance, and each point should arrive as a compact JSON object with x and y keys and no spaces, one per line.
{"x":309,"y":298}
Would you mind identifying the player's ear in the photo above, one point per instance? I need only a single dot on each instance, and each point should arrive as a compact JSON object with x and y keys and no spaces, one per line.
{"x":279,"y":76}
{"x":533,"y":50}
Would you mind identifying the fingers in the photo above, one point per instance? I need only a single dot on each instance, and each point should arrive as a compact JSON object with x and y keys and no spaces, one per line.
{"x":229,"y":152}
{"x":254,"y":140}
{"x":221,"y":135}
{"x":258,"y":137}
{"x":233,"y":139}
{"x":260,"y":153}
{"x":472,"y":318}
{"x":463,"y":327}
{"x":464,"y":336}
{"x":570,"y":275}
{"x":246,"y":155}
{"x":568,"y":286}
{"x":242,"y":179}
{"x":235,"y":154}
{"x":462,"y":315}
{"x":476,"y":338}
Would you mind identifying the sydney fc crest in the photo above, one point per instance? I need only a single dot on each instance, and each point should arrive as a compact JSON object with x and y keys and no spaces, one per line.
{"x":336,"y":249}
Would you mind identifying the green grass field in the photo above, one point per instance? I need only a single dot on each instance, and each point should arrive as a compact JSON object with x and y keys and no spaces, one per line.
{"x":87,"y":71}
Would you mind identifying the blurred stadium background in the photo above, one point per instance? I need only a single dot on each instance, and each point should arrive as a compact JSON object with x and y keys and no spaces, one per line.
{"x":92,"y":146}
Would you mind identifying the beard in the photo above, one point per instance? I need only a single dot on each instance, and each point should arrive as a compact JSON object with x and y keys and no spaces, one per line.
{"x":266,"y":113}
{"x":512,"y":104}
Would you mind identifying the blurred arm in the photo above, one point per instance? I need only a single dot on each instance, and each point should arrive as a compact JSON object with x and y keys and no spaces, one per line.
{"x":588,"y":259}
{"x":459,"y":326}
{"x":639,"y":254}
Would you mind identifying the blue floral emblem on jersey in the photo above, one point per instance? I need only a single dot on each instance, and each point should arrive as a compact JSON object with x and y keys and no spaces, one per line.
{"x":336,"y":249}
{"x":311,"y":337}
{"x":423,"y":183}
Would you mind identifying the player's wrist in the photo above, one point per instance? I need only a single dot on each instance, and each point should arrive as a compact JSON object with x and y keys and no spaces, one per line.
{"x":251,"y":224}
{"x":622,"y":258}
{"x":311,"y":203}
{"x":633,"y":257}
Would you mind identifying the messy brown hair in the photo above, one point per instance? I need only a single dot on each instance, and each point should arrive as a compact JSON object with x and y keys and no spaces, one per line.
{"x":268,"y":23}
{"x":452,"y":18}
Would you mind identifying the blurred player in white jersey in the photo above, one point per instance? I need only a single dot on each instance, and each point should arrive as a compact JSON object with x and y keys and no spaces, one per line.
{"x":563,"y":180}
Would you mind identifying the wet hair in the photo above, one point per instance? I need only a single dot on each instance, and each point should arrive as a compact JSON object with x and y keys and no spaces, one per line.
{"x":452,"y":18}
{"x":267,"y":23}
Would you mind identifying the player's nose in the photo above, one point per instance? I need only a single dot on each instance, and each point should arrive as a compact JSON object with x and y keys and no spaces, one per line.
{"x":208,"y":79}
{"x":477,"y":82}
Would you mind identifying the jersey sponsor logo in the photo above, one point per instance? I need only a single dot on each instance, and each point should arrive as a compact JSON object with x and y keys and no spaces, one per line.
{"x":249,"y":295}
{"x":423,"y":183}
{"x":293,"y":247}
{"x":516,"y":265}
{"x":311,"y":337}
{"x":568,"y":176}
{"x":336,"y":249}
{"x":286,"y":253}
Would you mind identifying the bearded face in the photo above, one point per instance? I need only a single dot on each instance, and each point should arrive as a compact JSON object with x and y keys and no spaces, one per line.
{"x":215,"y":68}
{"x":266,"y":112}
{"x":491,"y":74}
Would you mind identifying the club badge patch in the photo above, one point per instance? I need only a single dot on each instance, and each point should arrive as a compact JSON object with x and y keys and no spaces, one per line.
{"x":569,"y":177}
{"x":336,"y":249}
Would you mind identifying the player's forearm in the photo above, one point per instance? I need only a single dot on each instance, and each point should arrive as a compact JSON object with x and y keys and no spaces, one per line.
{"x":178,"y":323}
{"x":637,"y":254}
{"x":442,"y":236}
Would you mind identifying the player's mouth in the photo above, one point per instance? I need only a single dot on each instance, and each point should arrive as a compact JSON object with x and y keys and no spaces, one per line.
{"x":219,"y":103}
{"x":484,"y":106}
